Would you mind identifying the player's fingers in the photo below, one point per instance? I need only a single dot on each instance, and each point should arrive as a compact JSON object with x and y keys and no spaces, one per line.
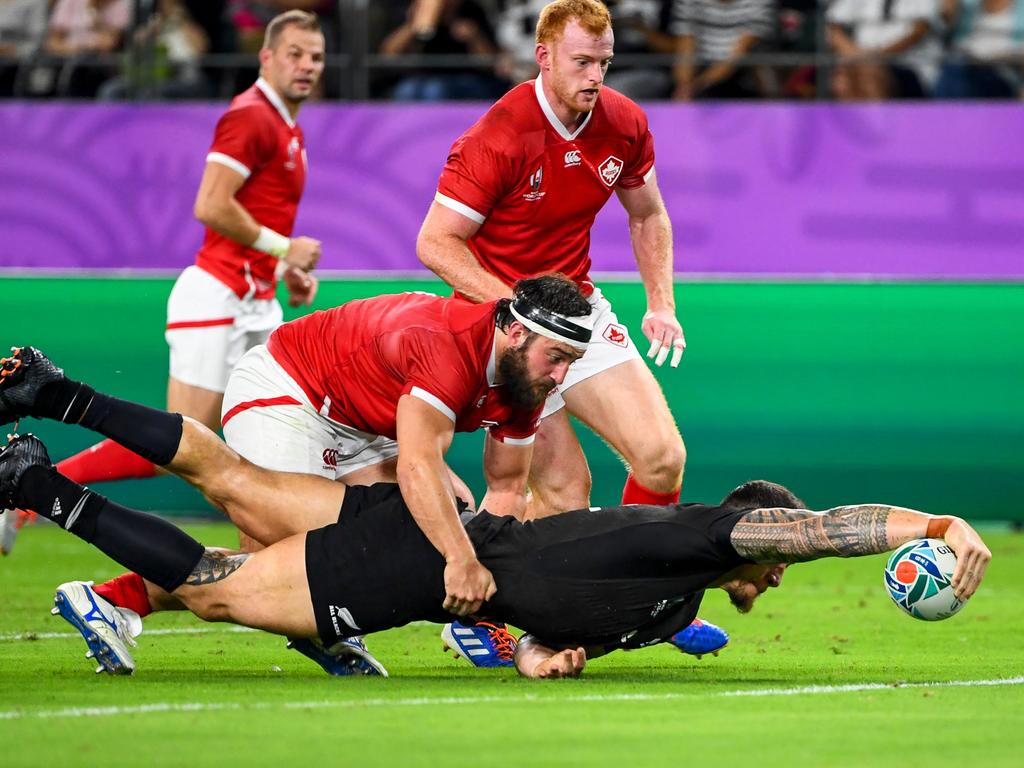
{"x":662,"y":355}
{"x":677,"y":352}
{"x":655,"y":346}
{"x":575,"y":658}
{"x":492,"y":589}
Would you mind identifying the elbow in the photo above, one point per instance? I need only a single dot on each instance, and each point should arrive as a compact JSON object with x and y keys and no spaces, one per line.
{"x":209,"y":211}
{"x":204,"y":212}
{"x":426,"y":246}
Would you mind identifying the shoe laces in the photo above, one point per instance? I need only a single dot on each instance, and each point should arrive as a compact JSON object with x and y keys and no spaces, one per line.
{"x":504,"y":641}
{"x":9,"y":365}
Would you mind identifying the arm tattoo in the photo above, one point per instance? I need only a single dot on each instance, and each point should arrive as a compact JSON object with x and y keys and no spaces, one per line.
{"x":214,"y":566}
{"x":795,"y":536}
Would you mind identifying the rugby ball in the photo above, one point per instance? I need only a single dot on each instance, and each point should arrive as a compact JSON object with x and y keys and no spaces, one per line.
{"x":918,"y":579}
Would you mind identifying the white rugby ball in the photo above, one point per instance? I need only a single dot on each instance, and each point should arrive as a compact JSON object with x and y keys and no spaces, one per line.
{"x":918,"y":579}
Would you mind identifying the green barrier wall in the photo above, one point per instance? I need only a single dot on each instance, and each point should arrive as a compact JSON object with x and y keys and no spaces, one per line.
{"x":905,"y":393}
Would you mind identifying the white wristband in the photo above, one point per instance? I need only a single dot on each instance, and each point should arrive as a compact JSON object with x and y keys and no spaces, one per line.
{"x":272,"y":242}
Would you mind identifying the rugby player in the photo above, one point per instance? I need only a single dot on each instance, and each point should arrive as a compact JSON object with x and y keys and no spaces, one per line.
{"x":372,"y":379}
{"x":248,"y":198}
{"x":518,"y":196}
{"x":581,"y":583}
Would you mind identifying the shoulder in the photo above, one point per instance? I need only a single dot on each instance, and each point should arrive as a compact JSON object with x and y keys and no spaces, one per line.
{"x":621,"y":113}
{"x":515,"y":112}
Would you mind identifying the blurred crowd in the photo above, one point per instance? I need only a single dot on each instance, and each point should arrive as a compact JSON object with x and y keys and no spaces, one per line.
{"x":432,"y":50}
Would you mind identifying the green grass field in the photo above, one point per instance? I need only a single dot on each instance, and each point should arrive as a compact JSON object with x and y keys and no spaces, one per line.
{"x":825,"y":671}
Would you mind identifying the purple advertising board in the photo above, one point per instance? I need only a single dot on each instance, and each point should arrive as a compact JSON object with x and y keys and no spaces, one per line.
{"x":921,"y":191}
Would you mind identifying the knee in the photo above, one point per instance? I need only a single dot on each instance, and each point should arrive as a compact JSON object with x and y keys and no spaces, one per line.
{"x":660,"y":463}
{"x":207,"y":604}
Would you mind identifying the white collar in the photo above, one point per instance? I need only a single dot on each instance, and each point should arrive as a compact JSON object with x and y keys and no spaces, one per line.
{"x":274,"y":98}
{"x":549,"y":113}
{"x":492,"y":364}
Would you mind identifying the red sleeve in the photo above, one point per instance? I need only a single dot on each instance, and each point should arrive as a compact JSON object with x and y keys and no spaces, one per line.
{"x":473,"y":177}
{"x":241,"y":136}
{"x":521,"y":428}
{"x":643,"y":157}
{"x":436,"y":371}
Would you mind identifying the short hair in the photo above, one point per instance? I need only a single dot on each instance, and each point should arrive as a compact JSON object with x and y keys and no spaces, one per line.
{"x":592,"y":15}
{"x":294,"y":18}
{"x":554,"y":292}
{"x":761,"y":494}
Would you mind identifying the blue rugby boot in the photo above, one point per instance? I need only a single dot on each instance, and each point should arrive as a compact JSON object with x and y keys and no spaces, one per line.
{"x":108,"y":631}
{"x":483,"y":644}
{"x":345,"y":658}
{"x":699,"y":638}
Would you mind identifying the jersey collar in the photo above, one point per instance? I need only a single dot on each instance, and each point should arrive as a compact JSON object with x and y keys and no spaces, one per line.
{"x":549,"y":113}
{"x":276,"y":101}
{"x":492,"y":364}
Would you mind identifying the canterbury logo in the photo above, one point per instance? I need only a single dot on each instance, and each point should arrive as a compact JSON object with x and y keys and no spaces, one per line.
{"x":57,"y":511}
{"x":331,"y":457}
{"x":572,"y":157}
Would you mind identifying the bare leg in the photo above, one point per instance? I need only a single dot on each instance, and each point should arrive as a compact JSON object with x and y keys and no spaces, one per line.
{"x":266,"y":505}
{"x":203,"y":405}
{"x":266,"y":590}
{"x":645,"y":434}
{"x":559,"y":475}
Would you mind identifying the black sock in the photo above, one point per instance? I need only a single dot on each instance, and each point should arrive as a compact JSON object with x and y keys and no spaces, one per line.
{"x":151,"y":547}
{"x":149,"y":432}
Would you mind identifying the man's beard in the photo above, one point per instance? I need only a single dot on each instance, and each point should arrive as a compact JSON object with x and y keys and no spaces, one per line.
{"x":516,"y":380}
{"x":742,"y":599}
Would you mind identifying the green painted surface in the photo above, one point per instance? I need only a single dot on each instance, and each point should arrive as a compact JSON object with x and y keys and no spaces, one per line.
{"x":905,"y":393}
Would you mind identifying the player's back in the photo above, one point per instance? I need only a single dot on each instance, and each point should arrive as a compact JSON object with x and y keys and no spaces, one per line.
{"x":360,"y":357}
{"x":616,"y":576}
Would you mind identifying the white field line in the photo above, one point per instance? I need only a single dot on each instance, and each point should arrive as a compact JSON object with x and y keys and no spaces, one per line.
{"x":31,"y":636}
{"x":810,"y":690}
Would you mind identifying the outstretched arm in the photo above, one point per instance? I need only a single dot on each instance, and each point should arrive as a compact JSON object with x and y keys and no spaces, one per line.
{"x":799,"y":535}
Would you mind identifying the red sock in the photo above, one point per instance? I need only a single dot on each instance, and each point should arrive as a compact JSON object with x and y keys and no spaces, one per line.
{"x":126,"y":591}
{"x":634,"y":493}
{"x":105,"y":461}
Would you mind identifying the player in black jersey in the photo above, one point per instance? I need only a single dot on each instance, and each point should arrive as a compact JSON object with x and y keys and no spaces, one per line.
{"x":580,"y":584}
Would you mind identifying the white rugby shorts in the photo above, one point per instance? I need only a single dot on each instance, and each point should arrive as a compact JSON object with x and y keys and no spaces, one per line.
{"x":269,"y":420}
{"x":610,"y":345}
{"x":209,"y":328}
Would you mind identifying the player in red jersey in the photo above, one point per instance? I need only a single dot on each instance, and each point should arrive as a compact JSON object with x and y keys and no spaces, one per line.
{"x":374,"y":391}
{"x":359,"y":382}
{"x":248,"y":197}
{"x":518,"y":195}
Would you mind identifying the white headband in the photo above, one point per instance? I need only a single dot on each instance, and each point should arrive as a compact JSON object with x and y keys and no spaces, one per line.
{"x":574,"y":331}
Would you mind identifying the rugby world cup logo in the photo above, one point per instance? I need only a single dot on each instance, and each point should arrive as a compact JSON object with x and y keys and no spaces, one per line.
{"x":535,"y":180}
{"x":293,"y":151}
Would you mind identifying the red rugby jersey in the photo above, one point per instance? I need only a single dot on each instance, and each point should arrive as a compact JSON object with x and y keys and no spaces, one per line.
{"x":535,"y":187}
{"x":258,"y":138}
{"x":355,"y":361}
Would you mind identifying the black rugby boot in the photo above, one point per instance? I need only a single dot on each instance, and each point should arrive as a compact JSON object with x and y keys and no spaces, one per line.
{"x":20,"y":454}
{"x":22,"y":376}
